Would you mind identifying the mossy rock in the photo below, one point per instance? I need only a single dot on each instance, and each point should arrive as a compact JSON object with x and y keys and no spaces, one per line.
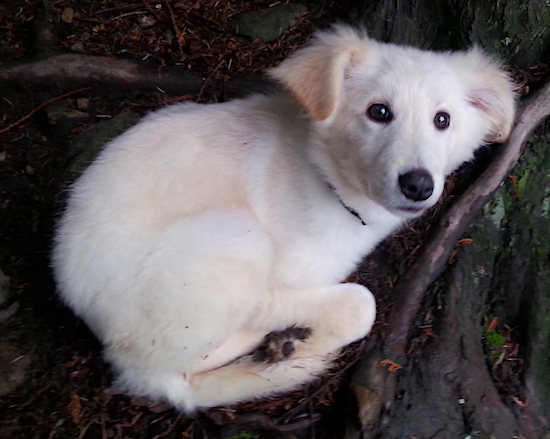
{"x":87,"y":145}
{"x":267,"y":24}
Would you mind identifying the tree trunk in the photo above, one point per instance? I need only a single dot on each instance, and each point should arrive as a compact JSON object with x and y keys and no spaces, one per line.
{"x":474,"y":347}
{"x":516,"y":30}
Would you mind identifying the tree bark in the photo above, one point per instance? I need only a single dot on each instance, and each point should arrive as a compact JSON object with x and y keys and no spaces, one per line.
{"x":517,"y":31}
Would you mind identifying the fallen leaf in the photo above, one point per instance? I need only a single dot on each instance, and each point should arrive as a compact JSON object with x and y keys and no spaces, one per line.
{"x":393,"y":366}
{"x":492,"y":325}
{"x":67,"y":15}
{"x":75,"y":408}
{"x":429,"y":332}
{"x":517,"y":401}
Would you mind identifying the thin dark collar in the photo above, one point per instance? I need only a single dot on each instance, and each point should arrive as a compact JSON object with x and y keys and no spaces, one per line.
{"x":349,"y":209}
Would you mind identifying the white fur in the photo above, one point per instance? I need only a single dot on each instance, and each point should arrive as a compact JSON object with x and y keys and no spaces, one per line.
{"x":205,"y":227}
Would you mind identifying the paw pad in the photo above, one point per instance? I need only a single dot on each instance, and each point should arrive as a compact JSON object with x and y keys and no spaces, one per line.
{"x":279,"y":345}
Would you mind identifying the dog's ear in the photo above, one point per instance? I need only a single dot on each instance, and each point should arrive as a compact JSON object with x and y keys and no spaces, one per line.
{"x":491,"y":90}
{"x":315,"y":74}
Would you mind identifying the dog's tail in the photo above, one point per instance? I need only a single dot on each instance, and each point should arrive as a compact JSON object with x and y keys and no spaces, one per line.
{"x":241,"y":381}
{"x":235,"y":382}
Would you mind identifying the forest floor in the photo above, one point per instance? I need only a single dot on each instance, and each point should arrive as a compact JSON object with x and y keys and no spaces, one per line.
{"x":53,"y":383}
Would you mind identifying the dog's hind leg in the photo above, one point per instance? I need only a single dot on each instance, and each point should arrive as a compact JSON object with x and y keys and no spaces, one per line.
{"x":330,"y":318}
{"x":205,"y":278}
{"x":203,"y":299}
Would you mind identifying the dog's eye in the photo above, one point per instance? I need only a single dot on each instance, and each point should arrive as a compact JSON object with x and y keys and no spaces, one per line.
{"x":380,"y":113}
{"x":442,"y":120}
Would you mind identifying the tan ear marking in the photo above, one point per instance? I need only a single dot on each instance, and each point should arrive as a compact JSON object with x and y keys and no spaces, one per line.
{"x":492,"y":92}
{"x":315,"y":75}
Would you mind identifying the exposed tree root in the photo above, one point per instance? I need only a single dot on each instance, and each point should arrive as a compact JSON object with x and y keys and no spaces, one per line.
{"x":71,"y":68}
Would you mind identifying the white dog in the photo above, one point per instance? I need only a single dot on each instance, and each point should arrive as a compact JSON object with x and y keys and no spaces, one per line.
{"x":206,"y":227}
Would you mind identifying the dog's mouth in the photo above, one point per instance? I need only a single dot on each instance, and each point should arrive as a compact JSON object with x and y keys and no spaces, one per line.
{"x":410,"y":211}
{"x":402,"y":207}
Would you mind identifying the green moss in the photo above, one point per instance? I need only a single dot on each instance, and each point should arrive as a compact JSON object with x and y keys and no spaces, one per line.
{"x":545,"y":207}
{"x":244,"y":435}
{"x":495,"y":210}
{"x":494,"y":339}
{"x":515,"y":232}
{"x":530,"y":226}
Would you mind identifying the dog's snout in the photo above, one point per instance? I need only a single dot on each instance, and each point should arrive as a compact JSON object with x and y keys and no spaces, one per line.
{"x":416,"y":185}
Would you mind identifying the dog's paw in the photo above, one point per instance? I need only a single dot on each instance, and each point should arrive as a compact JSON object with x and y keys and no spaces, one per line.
{"x":280,"y":345}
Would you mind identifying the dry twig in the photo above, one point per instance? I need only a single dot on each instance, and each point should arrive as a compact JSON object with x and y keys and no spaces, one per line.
{"x":42,"y":105}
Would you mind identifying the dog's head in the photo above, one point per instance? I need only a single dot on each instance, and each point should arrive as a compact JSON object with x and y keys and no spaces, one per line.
{"x":391,"y":122}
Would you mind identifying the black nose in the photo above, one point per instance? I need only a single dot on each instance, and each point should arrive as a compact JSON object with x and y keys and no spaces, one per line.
{"x":417,"y":185}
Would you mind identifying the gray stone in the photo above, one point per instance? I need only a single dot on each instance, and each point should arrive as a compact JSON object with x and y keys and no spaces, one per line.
{"x":4,"y":289}
{"x":91,"y":141}
{"x":78,"y":47}
{"x":267,"y":24}
{"x":13,"y":366}
{"x":146,"y":21}
{"x":60,"y":114}
{"x":7,"y":313}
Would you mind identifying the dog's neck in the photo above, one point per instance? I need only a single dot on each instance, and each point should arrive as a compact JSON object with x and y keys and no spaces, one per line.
{"x":349,"y":209}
